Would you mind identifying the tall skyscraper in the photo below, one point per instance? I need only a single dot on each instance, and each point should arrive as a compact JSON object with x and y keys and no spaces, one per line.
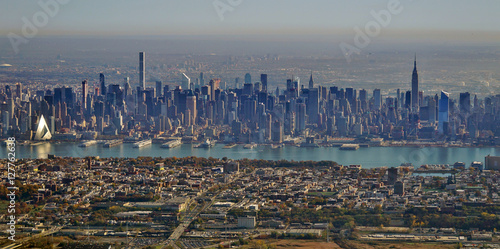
{"x":191,"y":105}
{"x":237,"y":82}
{"x":407,"y":100}
{"x":126,"y":86}
{"x":158,"y":88}
{"x":399,"y":98}
{"x":349,"y":95}
{"x":202,"y":80}
{"x":257,"y":86}
{"x":377,"y":99}
{"x":443,"y":116}
{"x":313,"y":105}
{"x":58,"y":95}
{"x":12,"y":107}
{"x":263,"y":79}
{"x":102,"y":82}
{"x":185,"y":81}
{"x":68,"y":97}
{"x":363,"y":95}
{"x":8,"y":91}
{"x":301,"y":117}
{"x":214,"y":85}
{"x":363,"y":99}
{"x":248,"y":78}
{"x":5,"y":122}
{"x":432,"y":111}
{"x":248,"y":89}
{"x":19,"y":89}
{"x":142,"y":68}
{"x":166,"y":90}
{"x":311,"y":82}
{"x":84,"y":93}
{"x":464,"y":102}
{"x":277,"y":132}
{"x":296,"y":83}
{"x":414,"y":85}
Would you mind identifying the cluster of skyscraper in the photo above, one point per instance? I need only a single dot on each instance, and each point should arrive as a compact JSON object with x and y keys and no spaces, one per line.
{"x":251,"y":113}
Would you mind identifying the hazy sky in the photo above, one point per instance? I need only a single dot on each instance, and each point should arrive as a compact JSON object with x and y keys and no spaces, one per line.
{"x":171,"y":17}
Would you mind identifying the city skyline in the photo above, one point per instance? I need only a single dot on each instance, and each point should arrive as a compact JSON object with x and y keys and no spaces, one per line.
{"x":254,"y":113}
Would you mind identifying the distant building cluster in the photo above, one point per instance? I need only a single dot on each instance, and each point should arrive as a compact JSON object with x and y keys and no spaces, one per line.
{"x":253,"y":113}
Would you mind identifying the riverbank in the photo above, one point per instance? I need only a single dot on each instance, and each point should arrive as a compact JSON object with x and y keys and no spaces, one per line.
{"x":409,"y":144}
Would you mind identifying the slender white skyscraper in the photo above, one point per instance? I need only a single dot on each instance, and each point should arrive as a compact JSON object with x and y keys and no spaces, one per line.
{"x":185,"y":81}
{"x":84,"y":94}
{"x":126,"y":86}
{"x":142,"y":68}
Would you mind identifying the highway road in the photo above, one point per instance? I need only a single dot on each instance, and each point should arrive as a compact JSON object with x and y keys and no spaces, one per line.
{"x":12,"y":246}
{"x":190,"y":217}
{"x":186,"y":221}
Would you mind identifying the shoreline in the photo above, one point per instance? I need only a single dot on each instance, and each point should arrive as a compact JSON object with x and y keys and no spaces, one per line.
{"x":320,"y":145}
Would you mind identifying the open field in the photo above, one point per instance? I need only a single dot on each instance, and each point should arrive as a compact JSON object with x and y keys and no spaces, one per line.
{"x":304,"y":244}
{"x":396,"y":245}
{"x":292,"y":243}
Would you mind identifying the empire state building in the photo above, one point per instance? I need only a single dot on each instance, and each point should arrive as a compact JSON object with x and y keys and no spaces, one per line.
{"x":414,"y":85}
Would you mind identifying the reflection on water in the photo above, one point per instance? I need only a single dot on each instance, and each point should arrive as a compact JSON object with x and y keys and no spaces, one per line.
{"x":367,"y":157}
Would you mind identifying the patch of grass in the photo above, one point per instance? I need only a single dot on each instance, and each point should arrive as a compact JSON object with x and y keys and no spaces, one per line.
{"x":432,"y":189}
{"x":372,"y":243}
{"x":156,"y":247}
{"x":322,"y":193}
{"x":3,"y":205}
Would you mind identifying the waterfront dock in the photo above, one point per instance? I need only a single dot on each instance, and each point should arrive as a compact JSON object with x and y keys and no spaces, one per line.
{"x":142,"y":143}
{"x":171,"y":144}
{"x":88,"y":143}
{"x":349,"y":147}
{"x":112,"y":143}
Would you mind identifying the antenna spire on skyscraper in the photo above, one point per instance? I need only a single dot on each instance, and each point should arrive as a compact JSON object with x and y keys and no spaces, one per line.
{"x":415,"y":61}
{"x":311,"y":81}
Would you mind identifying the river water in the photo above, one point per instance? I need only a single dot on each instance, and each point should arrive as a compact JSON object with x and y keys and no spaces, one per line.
{"x":367,"y":157}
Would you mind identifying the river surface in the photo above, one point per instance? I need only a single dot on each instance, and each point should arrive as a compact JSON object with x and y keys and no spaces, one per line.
{"x":367,"y":157}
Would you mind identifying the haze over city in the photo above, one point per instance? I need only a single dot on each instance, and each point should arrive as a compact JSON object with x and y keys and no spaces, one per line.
{"x":457,"y":41}
{"x":177,"y":17}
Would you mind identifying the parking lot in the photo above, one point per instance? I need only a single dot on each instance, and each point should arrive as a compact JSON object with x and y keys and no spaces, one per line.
{"x":187,"y":243}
